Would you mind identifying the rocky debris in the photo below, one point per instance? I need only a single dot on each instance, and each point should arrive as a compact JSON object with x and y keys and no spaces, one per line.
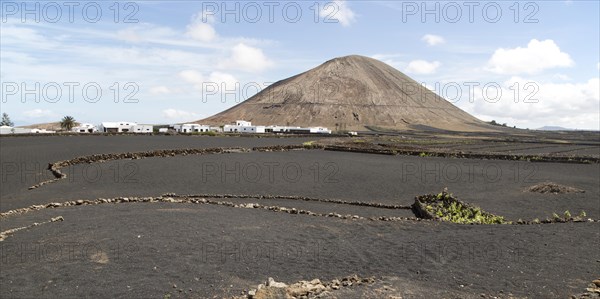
{"x":592,"y":291}
{"x":203,"y":199}
{"x":371,"y":149}
{"x":303,"y":289}
{"x":274,"y":284}
{"x":56,"y":219}
{"x":6,"y":233}
{"x":553,"y":188}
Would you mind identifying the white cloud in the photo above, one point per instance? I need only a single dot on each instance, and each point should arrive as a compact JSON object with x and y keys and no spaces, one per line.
{"x":433,"y":40}
{"x":562,"y":77}
{"x":175,"y":114}
{"x":571,"y":105}
{"x":536,"y":57}
{"x":191,"y":76}
{"x":220,"y":78}
{"x":338,"y":10}
{"x":422,"y":67}
{"x":160,"y":90}
{"x":145,"y":32}
{"x":39,"y":113}
{"x":246,"y":58}
{"x":201,"y":28}
{"x":201,"y":31}
{"x":223,"y":78}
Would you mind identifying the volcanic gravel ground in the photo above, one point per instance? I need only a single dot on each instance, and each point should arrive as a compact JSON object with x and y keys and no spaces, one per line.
{"x":497,"y":186}
{"x":25,"y":159}
{"x":145,"y":249}
{"x":149,"y":250}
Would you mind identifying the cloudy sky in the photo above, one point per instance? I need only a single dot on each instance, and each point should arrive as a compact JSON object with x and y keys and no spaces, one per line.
{"x":527,"y":64}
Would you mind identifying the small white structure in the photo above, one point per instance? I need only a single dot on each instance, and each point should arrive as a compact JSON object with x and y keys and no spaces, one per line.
{"x":279,"y":129}
{"x":142,"y":129}
{"x":191,"y":128}
{"x":163,"y":130}
{"x":85,"y":128}
{"x":117,"y":127}
{"x":242,"y":126}
{"x":4,"y":130}
{"x":297,"y":130}
{"x":42,"y":131}
{"x":319,"y":130}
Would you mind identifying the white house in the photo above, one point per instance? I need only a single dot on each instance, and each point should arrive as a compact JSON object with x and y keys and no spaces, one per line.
{"x":117,"y":127}
{"x":319,"y":130}
{"x":191,"y":128}
{"x":85,"y":128}
{"x":243,"y":123}
{"x":142,"y":129}
{"x":279,"y":129}
{"x":4,"y":130}
{"x":7,"y":130}
{"x":42,"y":131}
{"x":244,"y":129}
{"x":242,"y":126}
{"x":297,"y":130}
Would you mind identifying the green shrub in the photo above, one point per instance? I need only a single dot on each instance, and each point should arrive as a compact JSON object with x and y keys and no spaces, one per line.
{"x":446,"y":208}
{"x":309,"y":144}
{"x":555,"y":216}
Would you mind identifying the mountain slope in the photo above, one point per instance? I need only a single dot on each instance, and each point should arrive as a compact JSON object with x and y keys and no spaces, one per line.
{"x":350,"y":93}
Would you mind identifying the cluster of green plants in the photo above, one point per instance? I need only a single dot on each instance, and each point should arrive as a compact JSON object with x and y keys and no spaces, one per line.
{"x":309,"y":144}
{"x":567,"y":216}
{"x":447,"y":208}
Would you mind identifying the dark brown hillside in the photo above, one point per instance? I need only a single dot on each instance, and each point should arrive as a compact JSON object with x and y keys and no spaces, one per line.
{"x":350,"y":93}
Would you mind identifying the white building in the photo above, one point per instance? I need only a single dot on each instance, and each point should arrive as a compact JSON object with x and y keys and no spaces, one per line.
{"x":279,"y":129}
{"x":297,"y":130}
{"x":163,"y":130}
{"x":242,"y":126}
{"x":85,"y":128}
{"x":4,"y":130}
{"x":142,"y":129}
{"x":124,"y":127}
{"x":191,"y":128}
{"x":319,"y":130}
{"x":41,"y":131}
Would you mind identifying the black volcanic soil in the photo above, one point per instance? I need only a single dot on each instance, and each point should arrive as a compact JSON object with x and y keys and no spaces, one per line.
{"x":497,"y":186}
{"x":142,"y":250}
{"x":151,"y":250}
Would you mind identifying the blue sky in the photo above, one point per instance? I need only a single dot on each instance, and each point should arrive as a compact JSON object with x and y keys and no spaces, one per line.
{"x":163,"y":57}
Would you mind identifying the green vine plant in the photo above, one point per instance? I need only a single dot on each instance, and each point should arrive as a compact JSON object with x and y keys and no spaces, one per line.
{"x":446,"y":207}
